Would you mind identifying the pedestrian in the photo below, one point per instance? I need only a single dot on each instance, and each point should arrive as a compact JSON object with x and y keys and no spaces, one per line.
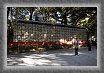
{"x":76,"y":45}
{"x":89,"y":45}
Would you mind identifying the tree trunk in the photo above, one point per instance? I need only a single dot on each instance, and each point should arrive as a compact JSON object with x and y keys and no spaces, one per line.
{"x":8,"y":10}
{"x":30,"y":16}
{"x":65,"y":18}
{"x":88,"y":35}
{"x":31,"y":13}
{"x":10,"y":27}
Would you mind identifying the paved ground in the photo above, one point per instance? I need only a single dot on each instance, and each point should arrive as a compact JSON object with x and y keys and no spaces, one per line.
{"x":62,"y":57}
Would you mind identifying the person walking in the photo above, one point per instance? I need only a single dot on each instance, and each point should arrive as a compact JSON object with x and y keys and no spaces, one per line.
{"x":89,"y":45}
{"x":76,"y":45}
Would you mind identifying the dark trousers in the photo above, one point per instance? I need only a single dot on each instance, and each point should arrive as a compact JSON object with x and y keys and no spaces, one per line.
{"x":89,"y":48}
{"x":76,"y":51}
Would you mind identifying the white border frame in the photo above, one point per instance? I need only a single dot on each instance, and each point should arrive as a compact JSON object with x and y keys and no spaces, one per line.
{"x":53,"y":67}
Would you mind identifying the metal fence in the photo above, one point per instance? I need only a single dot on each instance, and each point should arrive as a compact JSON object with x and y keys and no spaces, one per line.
{"x":31,"y":31}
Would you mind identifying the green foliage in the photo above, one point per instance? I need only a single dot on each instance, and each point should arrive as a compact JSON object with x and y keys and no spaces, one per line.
{"x":65,"y":15}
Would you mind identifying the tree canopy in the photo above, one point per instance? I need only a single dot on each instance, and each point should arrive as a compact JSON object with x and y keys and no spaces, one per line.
{"x":77,"y":16}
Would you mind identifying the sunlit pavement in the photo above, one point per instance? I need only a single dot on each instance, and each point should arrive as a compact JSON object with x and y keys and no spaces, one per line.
{"x":62,"y":57}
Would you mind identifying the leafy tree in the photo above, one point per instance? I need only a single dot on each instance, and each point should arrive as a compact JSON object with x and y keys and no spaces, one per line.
{"x":89,"y":20}
{"x":77,"y":16}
